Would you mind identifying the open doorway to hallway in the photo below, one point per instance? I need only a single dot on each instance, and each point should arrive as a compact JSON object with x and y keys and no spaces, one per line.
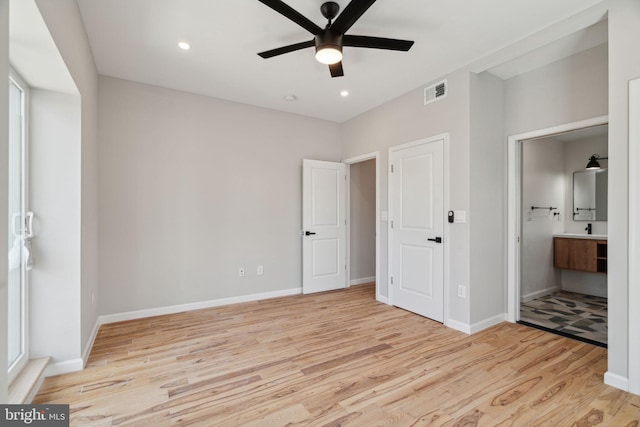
{"x":363,"y":224}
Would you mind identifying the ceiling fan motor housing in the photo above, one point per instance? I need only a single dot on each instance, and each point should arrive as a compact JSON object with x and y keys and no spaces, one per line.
{"x":328,"y":39}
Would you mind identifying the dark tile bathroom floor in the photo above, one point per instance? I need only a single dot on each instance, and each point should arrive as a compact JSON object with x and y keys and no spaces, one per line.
{"x":578,"y":315}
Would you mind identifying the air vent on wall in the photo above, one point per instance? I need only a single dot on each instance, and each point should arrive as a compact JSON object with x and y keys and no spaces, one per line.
{"x":435,"y":92}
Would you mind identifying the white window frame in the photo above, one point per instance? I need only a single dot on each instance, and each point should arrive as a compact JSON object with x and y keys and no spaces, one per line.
{"x":14,"y":370}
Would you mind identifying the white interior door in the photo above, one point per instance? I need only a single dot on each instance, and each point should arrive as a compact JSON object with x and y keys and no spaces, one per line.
{"x":417,"y":233}
{"x":323,"y":222}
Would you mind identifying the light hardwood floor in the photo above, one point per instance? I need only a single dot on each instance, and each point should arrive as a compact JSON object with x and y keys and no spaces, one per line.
{"x":335,"y":359}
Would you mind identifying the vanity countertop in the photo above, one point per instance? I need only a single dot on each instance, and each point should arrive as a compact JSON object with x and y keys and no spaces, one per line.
{"x":582,"y":236}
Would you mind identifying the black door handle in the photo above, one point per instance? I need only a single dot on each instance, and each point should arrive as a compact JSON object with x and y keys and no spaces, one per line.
{"x":437,"y":240}
{"x":308,"y":233}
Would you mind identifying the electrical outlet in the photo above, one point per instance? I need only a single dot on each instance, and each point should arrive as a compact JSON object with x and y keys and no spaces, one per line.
{"x":241,"y":272}
{"x":260,"y":271}
{"x":462,"y":291}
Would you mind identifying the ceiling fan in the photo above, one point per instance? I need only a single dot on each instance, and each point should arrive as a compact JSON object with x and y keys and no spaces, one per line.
{"x":330,"y":40}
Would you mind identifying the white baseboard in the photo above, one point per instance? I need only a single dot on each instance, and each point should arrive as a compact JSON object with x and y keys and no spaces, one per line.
{"x":538,"y":294}
{"x":172,"y":309}
{"x":89,"y":345}
{"x":487,"y":323}
{"x":617,"y":381}
{"x":64,"y":367}
{"x":362,"y":281}
{"x":458,"y":326}
{"x":384,"y":300}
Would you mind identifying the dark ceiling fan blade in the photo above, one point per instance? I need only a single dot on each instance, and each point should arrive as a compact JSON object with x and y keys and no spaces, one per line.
{"x":350,"y":15}
{"x":292,"y":14}
{"x":376,"y":42}
{"x":286,"y":49}
{"x":336,"y":69}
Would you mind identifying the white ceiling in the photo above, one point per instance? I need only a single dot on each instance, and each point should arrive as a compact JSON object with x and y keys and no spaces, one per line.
{"x":137,"y":40}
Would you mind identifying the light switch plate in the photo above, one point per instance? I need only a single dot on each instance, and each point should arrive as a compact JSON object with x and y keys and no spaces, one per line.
{"x":460,"y":216}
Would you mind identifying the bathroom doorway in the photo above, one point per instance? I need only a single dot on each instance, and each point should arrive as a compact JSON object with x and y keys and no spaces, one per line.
{"x":562,"y":283}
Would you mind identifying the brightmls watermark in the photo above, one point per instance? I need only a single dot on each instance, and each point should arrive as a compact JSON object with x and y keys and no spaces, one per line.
{"x":34,"y":415}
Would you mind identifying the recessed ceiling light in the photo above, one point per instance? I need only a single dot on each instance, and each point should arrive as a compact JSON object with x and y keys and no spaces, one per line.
{"x":290,"y":98}
{"x":184,"y":45}
{"x":344,"y":93}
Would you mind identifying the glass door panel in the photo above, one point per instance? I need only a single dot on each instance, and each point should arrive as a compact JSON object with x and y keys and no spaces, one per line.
{"x":17,"y":352}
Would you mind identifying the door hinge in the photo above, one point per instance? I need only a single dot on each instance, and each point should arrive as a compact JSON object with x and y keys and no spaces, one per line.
{"x":392,"y":280}
{"x":391,"y":224}
{"x":391,"y":168}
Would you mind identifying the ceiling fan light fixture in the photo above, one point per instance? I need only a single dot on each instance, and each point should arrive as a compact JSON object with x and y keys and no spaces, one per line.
{"x":328,"y":47}
{"x":329,"y":55}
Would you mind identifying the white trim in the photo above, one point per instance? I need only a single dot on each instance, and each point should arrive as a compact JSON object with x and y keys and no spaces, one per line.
{"x":476,"y":327}
{"x":23,"y":359}
{"x":513,"y":204}
{"x":634,"y":237}
{"x":382,"y":299}
{"x":446,"y":202}
{"x":458,"y":326}
{"x":361,"y":281}
{"x":89,"y":345}
{"x":446,"y":235}
{"x":64,"y":367}
{"x":357,"y":159}
{"x":487,"y":323}
{"x":172,"y":309}
{"x":36,"y":388}
{"x":538,"y":294}
{"x":617,"y":381}
{"x":514,"y":215}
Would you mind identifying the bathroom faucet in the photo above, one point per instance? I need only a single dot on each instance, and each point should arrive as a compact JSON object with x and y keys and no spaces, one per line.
{"x":588,"y":228}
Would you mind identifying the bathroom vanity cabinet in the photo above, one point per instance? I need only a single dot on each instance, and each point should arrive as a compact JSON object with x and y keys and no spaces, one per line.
{"x":580,"y":254}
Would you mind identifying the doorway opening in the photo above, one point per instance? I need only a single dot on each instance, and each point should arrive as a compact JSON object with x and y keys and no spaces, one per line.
{"x":558,"y":230}
{"x":363,"y":222}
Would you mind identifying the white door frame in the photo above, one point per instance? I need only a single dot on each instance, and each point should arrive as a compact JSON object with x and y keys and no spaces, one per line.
{"x":634,"y":236}
{"x":445,"y":138}
{"x":24,"y":171}
{"x":348,"y":162}
{"x":514,"y":197}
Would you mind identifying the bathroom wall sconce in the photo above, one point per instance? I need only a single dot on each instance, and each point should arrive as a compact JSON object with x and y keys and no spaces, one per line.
{"x":593,"y":161}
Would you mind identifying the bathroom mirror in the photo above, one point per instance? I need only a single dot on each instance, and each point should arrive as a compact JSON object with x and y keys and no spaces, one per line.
{"x":590,"y":195}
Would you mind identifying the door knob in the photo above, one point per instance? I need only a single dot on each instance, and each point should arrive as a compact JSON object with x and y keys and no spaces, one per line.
{"x":437,"y":240}
{"x":308,"y":233}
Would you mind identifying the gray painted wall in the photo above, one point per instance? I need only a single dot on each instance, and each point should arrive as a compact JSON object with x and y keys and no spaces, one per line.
{"x":543,"y":184}
{"x":487,"y":291}
{"x":193,"y":188}
{"x":65,"y":25}
{"x":54,"y":193}
{"x":565,"y":91}
{"x":363,"y":219}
